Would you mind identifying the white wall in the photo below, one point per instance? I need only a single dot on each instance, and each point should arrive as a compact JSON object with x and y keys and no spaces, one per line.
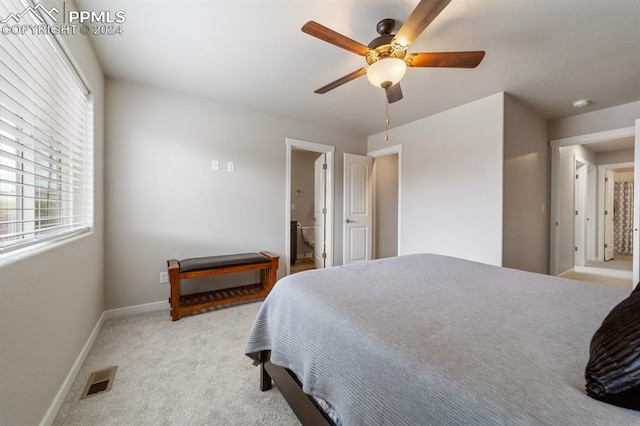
{"x":162,"y":199}
{"x":623,"y":176}
{"x":51,"y":301}
{"x":526,"y":190}
{"x":452,"y":181}
{"x":386,"y":206}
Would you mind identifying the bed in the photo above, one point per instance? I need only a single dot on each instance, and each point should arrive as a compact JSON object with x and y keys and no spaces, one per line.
{"x":430,"y":339}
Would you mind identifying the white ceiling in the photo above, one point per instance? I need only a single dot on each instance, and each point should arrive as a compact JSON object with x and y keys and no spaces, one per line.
{"x":251,"y":53}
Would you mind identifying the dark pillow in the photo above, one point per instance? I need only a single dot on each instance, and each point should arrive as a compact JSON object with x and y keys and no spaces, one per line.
{"x":613,"y":370}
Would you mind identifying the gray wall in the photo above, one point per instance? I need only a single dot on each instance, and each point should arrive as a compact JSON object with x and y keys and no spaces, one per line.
{"x":613,"y":157}
{"x":526,"y":189}
{"x":475,"y":183}
{"x":617,"y":117}
{"x":386,"y":206}
{"x":163,"y":201}
{"x":51,"y":300}
{"x":452,"y":181}
{"x":302,"y":178}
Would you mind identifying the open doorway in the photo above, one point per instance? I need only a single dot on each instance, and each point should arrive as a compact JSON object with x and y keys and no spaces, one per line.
{"x":618,"y":226}
{"x":309,"y":206}
{"x":608,"y":262}
{"x":586,"y":212}
{"x":619,"y":187}
{"x":372,"y":194}
{"x":307,"y":210}
{"x":386,"y":196}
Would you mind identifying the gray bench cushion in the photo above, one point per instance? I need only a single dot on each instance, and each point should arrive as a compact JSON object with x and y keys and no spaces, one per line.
{"x":223,"y":261}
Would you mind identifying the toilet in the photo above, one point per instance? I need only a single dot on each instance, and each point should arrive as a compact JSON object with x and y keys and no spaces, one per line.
{"x":307,"y":233}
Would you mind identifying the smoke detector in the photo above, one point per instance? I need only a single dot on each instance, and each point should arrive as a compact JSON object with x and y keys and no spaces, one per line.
{"x":581,"y":103}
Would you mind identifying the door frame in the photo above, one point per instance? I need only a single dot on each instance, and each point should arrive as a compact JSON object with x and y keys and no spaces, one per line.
{"x":320,"y":197}
{"x":592,"y":212}
{"x":396,"y":149}
{"x":292,"y":144}
{"x":556,"y":144}
{"x":580,"y":240}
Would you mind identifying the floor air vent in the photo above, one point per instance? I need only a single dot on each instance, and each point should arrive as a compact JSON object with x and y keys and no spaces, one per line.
{"x":99,"y":382}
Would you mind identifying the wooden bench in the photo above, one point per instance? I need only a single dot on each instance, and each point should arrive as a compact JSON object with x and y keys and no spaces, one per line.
{"x":264,"y":261}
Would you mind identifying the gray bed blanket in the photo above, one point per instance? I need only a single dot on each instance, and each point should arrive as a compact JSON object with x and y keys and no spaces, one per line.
{"x":433,"y":340}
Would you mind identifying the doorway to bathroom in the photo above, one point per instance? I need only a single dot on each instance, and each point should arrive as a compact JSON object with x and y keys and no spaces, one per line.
{"x":309,"y":212}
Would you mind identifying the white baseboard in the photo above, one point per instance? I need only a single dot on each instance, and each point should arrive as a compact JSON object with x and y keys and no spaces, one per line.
{"x":136,"y":309}
{"x":57,"y":402}
{"x":565,"y":272}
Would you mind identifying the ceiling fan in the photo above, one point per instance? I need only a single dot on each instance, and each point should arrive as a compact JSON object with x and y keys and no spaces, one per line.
{"x":387,"y":55}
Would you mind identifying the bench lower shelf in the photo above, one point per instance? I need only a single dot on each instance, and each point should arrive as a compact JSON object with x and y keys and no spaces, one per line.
{"x":191,"y":303}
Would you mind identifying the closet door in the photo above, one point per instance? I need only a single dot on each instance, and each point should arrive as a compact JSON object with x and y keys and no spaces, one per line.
{"x":358,"y":206}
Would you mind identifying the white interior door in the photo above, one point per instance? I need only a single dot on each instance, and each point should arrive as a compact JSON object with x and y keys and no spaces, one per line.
{"x":608,"y":214}
{"x":320,"y":211}
{"x":358,"y":208}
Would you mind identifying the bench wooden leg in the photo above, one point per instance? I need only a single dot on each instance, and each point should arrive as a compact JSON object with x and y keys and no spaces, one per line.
{"x":174,"y":282}
{"x":269,"y":276}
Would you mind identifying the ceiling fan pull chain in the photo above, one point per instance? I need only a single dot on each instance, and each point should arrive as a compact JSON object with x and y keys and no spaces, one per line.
{"x":386,"y":125}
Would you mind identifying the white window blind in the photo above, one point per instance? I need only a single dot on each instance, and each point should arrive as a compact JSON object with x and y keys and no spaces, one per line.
{"x":45,"y":176}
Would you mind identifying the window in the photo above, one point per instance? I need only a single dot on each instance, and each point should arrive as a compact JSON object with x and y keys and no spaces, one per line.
{"x":45,"y":147}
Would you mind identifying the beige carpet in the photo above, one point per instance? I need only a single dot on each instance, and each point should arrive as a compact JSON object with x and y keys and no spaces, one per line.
{"x":189,"y":372}
{"x":615,"y":273}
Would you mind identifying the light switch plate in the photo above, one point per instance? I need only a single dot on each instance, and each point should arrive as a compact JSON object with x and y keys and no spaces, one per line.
{"x":215,"y":165}
{"x":231,"y":166}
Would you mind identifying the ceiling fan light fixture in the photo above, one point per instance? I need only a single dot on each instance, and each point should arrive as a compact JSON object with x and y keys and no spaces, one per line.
{"x":386,"y":70}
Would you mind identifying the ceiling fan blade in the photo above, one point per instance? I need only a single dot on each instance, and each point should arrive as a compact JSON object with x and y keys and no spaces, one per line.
{"x":339,"y":82}
{"x":424,"y":13}
{"x":394,"y":93}
{"x":337,"y":39}
{"x":469,"y":59}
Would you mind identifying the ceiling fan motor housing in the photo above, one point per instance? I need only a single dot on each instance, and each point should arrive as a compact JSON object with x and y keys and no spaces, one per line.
{"x":381,"y":46}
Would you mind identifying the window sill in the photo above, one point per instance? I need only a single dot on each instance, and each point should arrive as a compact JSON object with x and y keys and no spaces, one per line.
{"x":37,"y":248}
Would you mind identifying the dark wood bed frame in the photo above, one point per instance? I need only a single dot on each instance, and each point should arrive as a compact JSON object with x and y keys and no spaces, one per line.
{"x":302,"y":404}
